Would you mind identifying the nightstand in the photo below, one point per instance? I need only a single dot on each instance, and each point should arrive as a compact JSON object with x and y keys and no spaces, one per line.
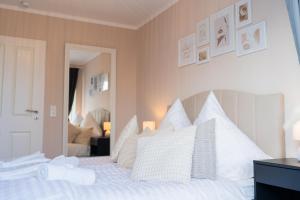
{"x":277,"y":179}
{"x":100,"y":146}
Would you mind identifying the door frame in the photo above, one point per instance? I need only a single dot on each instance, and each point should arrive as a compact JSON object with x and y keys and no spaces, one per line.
{"x":112,"y":87}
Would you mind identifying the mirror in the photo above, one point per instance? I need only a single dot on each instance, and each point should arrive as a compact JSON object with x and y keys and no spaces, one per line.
{"x":90,"y":103}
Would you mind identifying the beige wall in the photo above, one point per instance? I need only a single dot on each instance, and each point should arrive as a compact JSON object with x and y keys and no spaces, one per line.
{"x":100,"y":64}
{"x":56,"y":32}
{"x":160,"y":81}
{"x":156,"y":77}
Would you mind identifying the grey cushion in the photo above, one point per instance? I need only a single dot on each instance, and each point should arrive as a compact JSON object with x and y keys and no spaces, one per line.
{"x":204,"y":157}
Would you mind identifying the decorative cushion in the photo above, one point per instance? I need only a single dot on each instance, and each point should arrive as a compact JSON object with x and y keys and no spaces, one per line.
{"x":84,"y":137}
{"x":175,"y":117}
{"x":165,"y":157}
{"x":130,"y":129}
{"x":204,"y":156}
{"x":73,"y":132}
{"x":235,"y":152}
{"x":90,"y":122}
{"x":127,"y":153}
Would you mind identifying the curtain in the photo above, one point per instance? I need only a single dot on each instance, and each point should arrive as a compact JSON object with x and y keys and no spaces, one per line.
{"x":293,"y":7}
{"x":73,"y":76}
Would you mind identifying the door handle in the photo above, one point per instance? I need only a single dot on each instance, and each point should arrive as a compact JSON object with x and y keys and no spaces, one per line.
{"x":32,"y":111}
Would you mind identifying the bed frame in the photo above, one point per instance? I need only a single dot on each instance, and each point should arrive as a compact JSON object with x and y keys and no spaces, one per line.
{"x":259,"y":116}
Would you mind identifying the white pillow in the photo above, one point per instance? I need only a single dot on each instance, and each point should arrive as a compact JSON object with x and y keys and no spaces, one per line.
{"x":90,"y":122}
{"x":165,"y":157}
{"x":175,"y":117}
{"x":127,"y":153}
{"x":130,"y":129}
{"x":235,"y":152}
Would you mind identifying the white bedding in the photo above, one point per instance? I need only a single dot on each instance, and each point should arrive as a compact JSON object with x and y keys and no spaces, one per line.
{"x":247,"y":187}
{"x":114,"y":183}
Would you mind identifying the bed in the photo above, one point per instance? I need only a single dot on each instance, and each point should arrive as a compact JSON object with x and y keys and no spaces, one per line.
{"x":260,"y":116}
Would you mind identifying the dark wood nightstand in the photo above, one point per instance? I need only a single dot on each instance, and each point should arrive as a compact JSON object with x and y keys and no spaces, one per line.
{"x":277,"y":179}
{"x":100,"y":146}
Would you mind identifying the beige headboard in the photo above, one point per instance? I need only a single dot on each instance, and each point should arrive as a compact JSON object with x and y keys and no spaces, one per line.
{"x":101,"y":115}
{"x":259,"y":116}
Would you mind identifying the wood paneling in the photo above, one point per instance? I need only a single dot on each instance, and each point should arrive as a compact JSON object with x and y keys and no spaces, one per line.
{"x":23,"y":89}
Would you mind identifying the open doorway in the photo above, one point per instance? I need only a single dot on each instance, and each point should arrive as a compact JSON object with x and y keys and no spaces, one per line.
{"x":89,"y":100}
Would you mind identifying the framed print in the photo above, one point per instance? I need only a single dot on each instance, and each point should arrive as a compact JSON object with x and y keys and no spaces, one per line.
{"x":103,"y":83}
{"x":222,"y":30}
{"x":243,"y":13}
{"x":251,"y":39}
{"x":202,"y":55}
{"x":186,"y":50}
{"x":202,"y":33}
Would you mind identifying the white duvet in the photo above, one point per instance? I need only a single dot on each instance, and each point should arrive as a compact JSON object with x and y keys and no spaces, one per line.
{"x":114,"y":183}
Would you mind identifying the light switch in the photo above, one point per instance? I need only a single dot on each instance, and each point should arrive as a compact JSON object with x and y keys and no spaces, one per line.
{"x":52,"y":111}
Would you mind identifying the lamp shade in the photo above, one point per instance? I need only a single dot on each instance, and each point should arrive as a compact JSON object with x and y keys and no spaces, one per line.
{"x":107,"y":127}
{"x":296,"y":130}
{"x":149,"y":124}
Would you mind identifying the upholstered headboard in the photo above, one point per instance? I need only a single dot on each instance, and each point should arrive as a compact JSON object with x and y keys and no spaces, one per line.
{"x":259,"y":116}
{"x":101,"y":115}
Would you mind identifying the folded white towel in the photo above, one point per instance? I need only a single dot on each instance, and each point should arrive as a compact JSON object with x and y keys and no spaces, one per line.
{"x":24,"y":161}
{"x":69,"y":173}
{"x":19,"y":173}
{"x":28,"y":166}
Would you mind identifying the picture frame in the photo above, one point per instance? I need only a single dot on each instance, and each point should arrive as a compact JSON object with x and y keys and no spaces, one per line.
{"x":103,"y":82}
{"x":243,"y":13}
{"x":202,"y":32}
{"x":251,"y":39}
{"x":186,"y":50}
{"x":222,"y":30}
{"x":202,"y":55}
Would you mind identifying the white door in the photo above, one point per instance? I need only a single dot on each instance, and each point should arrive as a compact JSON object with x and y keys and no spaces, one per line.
{"x":22,"y":77}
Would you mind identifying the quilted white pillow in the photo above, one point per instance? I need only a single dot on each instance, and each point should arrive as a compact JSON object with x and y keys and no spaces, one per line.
{"x":235,"y":152}
{"x":130,"y":129}
{"x":165,"y":157}
{"x":127,"y":153}
{"x":175,"y":117}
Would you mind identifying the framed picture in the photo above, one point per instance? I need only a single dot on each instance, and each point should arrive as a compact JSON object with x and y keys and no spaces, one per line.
{"x":243,"y":13}
{"x":103,"y":83}
{"x":222,"y":30}
{"x":93,"y":82}
{"x":186,"y":51}
{"x":202,"y":33}
{"x":251,"y":39}
{"x":202,"y":55}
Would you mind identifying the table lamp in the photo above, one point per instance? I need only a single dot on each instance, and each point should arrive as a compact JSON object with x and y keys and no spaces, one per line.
{"x":107,"y":128}
{"x":149,"y":124}
{"x":296,"y":135}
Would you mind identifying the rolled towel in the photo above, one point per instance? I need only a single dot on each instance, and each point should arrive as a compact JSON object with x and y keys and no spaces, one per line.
{"x":69,"y":173}
{"x":62,"y":160}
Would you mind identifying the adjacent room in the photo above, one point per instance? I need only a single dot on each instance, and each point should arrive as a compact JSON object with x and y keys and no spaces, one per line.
{"x":150,"y":99}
